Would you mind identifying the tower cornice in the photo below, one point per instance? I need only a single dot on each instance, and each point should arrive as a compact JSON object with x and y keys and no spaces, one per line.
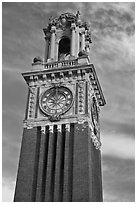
{"x":77,"y":72}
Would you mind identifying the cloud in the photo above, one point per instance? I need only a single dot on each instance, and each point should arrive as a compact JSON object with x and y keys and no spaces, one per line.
{"x":120,"y":51}
{"x":7,"y":190}
{"x":118,"y":179}
{"x":112,"y":18}
{"x":118,"y":146}
{"x":119,"y":128}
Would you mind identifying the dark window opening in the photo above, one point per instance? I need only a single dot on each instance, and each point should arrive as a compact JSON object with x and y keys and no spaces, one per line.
{"x":64,"y":48}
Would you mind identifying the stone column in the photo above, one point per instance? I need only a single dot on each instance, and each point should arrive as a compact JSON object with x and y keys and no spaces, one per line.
{"x":77,"y":41}
{"x":73,"y":40}
{"x":46,"y":49}
{"x":52,"y":44}
{"x":83,"y":40}
{"x":56,"y":50}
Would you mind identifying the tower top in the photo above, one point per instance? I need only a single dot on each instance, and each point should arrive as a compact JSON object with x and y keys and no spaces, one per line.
{"x":67,"y":48}
{"x":67,"y":37}
{"x":66,"y":20}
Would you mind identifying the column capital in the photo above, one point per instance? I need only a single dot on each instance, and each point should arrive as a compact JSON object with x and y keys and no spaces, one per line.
{"x":43,"y":129}
{"x":82,"y":31}
{"x":53,"y":29}
{"x":73,"y":26}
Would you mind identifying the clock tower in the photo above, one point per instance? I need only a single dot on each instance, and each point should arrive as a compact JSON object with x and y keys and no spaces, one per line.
{"x":60,"y":157}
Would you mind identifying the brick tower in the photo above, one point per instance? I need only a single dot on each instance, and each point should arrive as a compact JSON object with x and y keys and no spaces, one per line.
{"x":60,"y":153}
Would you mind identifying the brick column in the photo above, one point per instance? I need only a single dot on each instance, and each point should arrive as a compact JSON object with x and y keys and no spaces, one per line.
{"x":50,"y":176}
{"x":87,"y":178}
{"x":95,"y":175}
{"x":80,"y":165}
{"x":28,"y":166}
{"x":42,"y":169}
{"x":58,"y":175}
{"x":66,"y":196}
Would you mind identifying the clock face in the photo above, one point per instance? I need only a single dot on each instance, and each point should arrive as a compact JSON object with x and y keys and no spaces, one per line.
{"x":56,"y":100}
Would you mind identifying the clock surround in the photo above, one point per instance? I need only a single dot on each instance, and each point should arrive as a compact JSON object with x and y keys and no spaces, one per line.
{"x":56,"y":100}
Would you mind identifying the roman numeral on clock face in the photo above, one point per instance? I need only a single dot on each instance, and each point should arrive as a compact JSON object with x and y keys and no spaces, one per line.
{"x":56,"y":100}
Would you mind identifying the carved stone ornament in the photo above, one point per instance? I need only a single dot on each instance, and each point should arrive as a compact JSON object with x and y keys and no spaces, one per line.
{"x":81,"y":120}
{"x":32,"y":90}
{"x":95,"y":140}
{"x":68,"y":127}
{"x":54,"y":118}
{"x":37,"y":60}
{"x":59,"y":128}
{"x":94,"y":112}
{"x":65,"y":20}
{"x":83,"y":53}
{"x":28,"y":126}
{"x":51,"y":128}
{"x":43,"y":129}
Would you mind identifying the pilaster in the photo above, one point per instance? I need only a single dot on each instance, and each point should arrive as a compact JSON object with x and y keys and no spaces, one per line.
{"x":27,"y":177}
{"x":73,"y":27}
{"x":83,"y":39}
{"x":80,"y":165}
{"x":52,"y":43}
{"x":46,"y":49}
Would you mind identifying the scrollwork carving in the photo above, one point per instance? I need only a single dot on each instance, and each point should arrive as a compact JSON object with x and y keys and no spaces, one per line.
{"x":54,"y":118}
{"x":95,"y":140}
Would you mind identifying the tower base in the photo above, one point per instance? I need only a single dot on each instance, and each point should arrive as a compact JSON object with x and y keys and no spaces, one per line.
{"x":59,"y":165}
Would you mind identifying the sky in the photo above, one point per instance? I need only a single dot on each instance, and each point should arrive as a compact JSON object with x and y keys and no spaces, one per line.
{"x":112,"y":53}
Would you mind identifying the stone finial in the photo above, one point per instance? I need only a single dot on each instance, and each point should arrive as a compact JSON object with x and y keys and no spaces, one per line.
{"x":37,"y":59}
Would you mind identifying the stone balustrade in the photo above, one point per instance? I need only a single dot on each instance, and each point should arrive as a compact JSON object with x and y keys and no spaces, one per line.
{"x":54,"y":65}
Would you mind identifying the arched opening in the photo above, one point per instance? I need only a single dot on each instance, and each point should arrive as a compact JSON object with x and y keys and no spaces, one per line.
{"x":64,"y":48}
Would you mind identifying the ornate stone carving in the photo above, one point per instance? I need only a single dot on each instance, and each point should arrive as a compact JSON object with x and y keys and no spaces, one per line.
{"x":81,"y":120}
{"x":65,"y":20}
{"x":81,"y":101}
{"x":68,"y":127}
{"x":55,"y":117}
{"x":95,"y":140}
{"x":32,"y":98}
{"x":88,"y":36}
{"x":95,"y":116}
{"x":83,"y":53}
{"x":59,"y":128}
{"x":51,"y":128}
{"x":43,"y":129}
{"x":28,"y":126}
{"x":37,"y":60}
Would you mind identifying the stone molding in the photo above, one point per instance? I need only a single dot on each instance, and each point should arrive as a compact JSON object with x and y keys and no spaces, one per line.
{"x":83,"y":121}
{"x":66,"y":20}
{"x":70,"y":74}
